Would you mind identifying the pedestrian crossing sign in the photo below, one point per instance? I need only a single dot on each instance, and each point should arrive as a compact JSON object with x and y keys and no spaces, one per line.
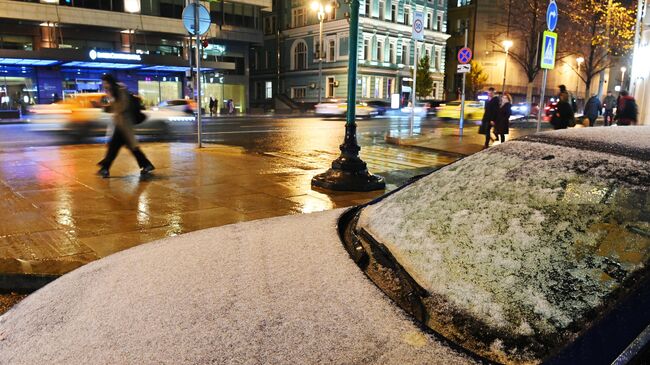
{"x":549,"y":47}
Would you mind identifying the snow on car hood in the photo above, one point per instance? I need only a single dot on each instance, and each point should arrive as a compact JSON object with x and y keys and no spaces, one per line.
{"x":526,"y":237}
{"x":276,"y":291}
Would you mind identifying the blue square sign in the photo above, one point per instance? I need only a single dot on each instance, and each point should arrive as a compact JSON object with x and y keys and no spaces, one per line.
{"x":549,"y":47}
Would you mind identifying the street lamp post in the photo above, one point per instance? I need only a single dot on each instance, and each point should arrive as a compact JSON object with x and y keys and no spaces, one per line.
{"x":349,"y":172}
{"x":623,"y":69}
{"x":506,"y":45}
{"x":579,"y":60}
{"x":321,"y":11}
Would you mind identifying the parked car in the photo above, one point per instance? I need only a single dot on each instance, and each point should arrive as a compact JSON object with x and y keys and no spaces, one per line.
{"x":421,"y":110}
{"x":338,"y":108}
{"x":533,"y":251}
{"x":451,"y":110}
{"x":380,"y":106}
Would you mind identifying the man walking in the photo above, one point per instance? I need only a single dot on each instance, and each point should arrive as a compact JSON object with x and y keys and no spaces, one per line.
{"x":626,"y":110}
{"x":122,"y":107}
{"x":609,"y":103}
{"x":592,"y":109}
{"x":489,"y":116}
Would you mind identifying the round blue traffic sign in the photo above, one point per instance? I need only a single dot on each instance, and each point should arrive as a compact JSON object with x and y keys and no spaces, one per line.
{"x":464,"y":55}
{"x":188,"y":19}
{"x":551,"y":15}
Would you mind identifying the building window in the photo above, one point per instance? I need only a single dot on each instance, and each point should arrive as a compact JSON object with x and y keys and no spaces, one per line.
{"x":435,"y":90}
{"x":382,"y":10}
{"x":393,"y":13}
{"x":299,"y":55}
{"x":298,"y":92}
{"x":343,"y":46}
{"x":390,"y":86}
{"x":366,"y":49}
{"x":405,"y":55}
{"x":331,"y":51}
{"x":298,"y":18}
{"x":391,"y":52}
{"x":379,"y":88}
{"x":331,"y":87}
{"x":429,"y":21}
{"x":269,"y":25}
{"x":368,"y":8}
{"x":269,"y":89}
{"x":407,"y":16}
{"x":437,"y":60}
{"x":439,"y":23}
{"x":441,"y":4}
{"x":365,"y":86}
{"x":380,"y":51}
{"x":266,"y":59}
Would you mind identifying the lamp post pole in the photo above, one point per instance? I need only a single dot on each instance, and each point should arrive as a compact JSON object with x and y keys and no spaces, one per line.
{"x":506,"y":44}
{"x":579,"y":60}
{"x":623,"y":69}
{"x":348,"y":171}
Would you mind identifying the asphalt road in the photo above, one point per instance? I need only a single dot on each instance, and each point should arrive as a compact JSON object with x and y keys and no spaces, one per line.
{"x":255,"y":134}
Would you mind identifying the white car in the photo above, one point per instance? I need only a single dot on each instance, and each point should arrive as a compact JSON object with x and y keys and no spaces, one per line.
{"x":335,"y":108}
{"x":534,"y":251}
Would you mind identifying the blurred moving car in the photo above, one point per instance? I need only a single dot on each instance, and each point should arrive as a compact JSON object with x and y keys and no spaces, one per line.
{"x":80,"y":117}
{"x":432,"y":106}
{"x":549,"y":109}
{"x":336,"y":108}
{"x":551,"y":264}
{"x":380,"y":105}
{"x":451,"y":110}
{"x":186,"y":106}
{"x":421,"y":110}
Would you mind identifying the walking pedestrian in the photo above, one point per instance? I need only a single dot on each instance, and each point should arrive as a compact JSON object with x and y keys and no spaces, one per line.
{"x":592,"y":109}
{"x":626,"y":110}
{"x":211,"y":105}
{"x":489,"y":116}
{"x":563,"y":117}
{"x":123,"y":106}
{"x":502,"y":123}
{"x":570,"y":99}
{"x":609,"y":103}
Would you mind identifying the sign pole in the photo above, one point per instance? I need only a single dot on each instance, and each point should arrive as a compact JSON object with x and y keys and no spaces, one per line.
{"x":541,"y":101}
{"x":415,"y":72}
{"x":198,"y":73}
{"x":462,"y":95}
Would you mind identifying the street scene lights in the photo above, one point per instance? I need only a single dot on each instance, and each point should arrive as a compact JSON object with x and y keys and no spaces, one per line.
{"x":623,"y":69}
{"x":506,"y":45}
{"x":321,"y":11}
{"x":579,"y":61}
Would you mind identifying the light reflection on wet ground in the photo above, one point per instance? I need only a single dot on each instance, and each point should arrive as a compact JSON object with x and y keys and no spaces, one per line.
{"x":59,"y":215}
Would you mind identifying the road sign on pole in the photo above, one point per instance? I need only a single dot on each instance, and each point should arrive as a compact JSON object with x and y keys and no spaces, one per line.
{"x":549,"y":47}
{"x":551,"y":15}
{"x":418,"y":26}
{"x":464,"y":55}
{"x":189,"y":15}
{"x":461,"y":69}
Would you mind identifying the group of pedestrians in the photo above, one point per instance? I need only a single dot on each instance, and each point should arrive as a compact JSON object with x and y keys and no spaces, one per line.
{"x":625,"y":105}
{"x":496,"y":118}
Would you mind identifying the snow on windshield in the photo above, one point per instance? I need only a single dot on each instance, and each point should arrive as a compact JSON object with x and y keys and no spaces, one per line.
{"x":527,"y":238}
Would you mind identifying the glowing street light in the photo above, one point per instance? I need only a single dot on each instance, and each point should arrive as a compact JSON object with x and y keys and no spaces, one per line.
{"x":321,"y":11}
{"x":506,"y":45}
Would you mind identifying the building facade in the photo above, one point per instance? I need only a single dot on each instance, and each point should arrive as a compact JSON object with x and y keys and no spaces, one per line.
{"x":286,"y":67}
{"x":53,"y":49}
{"x":486,"y":21}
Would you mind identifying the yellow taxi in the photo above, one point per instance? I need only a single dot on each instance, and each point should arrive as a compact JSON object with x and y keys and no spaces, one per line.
{"x":451,"y":110}
{"x":80,"y":108}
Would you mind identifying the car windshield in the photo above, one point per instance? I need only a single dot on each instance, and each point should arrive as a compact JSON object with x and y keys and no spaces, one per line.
{"x":519,"y":247}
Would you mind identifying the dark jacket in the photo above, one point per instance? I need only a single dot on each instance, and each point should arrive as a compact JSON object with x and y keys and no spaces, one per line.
{"x":626,"y":111}
{"x":489,"y":115}
{"x":502,"y":123}
{"x":610,"y":102}
{"x":563,"y":115}
{"x":592,"y":108}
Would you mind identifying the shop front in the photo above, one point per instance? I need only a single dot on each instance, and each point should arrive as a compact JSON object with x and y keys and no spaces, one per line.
{"x":46,"y":76}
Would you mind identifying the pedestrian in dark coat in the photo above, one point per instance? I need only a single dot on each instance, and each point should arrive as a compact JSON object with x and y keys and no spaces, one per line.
{"x":563,"y":116}
{"x":502,"y":123}
{"x":212,"y":103}
{"x":489,"y":116}
{"x":123,"y":120}
{"x":626,"y":110}
{"x":592,"y":109}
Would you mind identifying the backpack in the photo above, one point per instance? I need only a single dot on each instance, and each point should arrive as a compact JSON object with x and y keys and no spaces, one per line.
{"x":136,"y":108}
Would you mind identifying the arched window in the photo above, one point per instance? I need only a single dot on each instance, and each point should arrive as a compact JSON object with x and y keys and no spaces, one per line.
{"x":299,"y":58}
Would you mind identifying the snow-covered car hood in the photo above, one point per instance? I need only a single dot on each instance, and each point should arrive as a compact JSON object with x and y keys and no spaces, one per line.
{"x":275,"y":291}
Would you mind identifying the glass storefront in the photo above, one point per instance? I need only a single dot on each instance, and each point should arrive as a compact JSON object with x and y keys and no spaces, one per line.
{"x":154,"y":92}
{"x":17,"y":88}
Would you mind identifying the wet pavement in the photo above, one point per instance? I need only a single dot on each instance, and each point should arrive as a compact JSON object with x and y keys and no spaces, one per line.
{"x":59,"y":215}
